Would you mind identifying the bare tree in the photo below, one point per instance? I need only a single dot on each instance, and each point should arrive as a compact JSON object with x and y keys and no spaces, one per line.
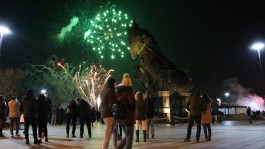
{"x":9,"y":82}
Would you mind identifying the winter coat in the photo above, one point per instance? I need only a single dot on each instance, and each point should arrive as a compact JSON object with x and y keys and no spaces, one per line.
{"x":149,"y":102}
{"x":140,"y":113}
{"x":83,"y":109}
{"x":206,"y":116}
{"x":195,"y":105}
{"x":108,"y":98}
{"x":29,"y":107}
{"x":126,"y":97}
{"x":44,"y":108}
{"x":71,"y":107}
{"x":13,"y":107}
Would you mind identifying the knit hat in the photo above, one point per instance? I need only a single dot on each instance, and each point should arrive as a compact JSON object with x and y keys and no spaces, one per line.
{"x":126,"y":80}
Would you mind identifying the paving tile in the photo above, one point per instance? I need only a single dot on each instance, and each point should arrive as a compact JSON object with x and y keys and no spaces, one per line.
{"x":226,"y":135}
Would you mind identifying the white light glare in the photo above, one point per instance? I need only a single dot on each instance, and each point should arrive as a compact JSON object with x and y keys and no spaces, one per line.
{"x":227,"y":94}
{"x":43,"y":91}
{"x":4,"y":30}
{"x":257,"y":46}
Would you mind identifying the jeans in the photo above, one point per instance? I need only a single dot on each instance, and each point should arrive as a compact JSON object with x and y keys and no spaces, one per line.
{"x":12,"y":120}
{"x":193,"y":119}
{"x":205,"y":128}
{"x":127,"y":141}
{"x":150,"y":123}
{"x":109,"y":123}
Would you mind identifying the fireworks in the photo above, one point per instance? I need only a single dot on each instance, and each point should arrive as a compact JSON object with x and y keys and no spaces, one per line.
{"x":90,"y":81}
{"x":108,"y":32}
{"x":64,"y":81}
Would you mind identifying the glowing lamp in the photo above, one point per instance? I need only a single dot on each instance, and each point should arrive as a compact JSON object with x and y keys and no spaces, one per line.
{"x":4,"y":30}
{"x":257,"y":46}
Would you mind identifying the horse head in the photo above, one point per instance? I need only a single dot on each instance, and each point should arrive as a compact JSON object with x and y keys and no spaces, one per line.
{"x":136,"y":39}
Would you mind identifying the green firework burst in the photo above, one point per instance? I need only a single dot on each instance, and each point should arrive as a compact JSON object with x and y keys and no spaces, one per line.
{"x":108,"y":32}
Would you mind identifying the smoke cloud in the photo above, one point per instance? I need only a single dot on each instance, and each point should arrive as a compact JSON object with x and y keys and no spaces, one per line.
{"x":244,"y":97}
{"x":68,"y":28}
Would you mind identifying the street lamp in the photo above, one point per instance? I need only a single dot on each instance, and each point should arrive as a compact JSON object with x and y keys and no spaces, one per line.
{"x":43,"y":91}
{"x":258,"y":46}
{"x":219,"y":101}
{"x":3,"y":30}
{"x":227,"y":95}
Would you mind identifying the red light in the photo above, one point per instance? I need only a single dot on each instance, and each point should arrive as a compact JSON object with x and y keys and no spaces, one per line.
{"x":59,"y":64}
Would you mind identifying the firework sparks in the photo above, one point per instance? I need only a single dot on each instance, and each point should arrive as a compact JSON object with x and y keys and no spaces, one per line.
{"x":108,"y":32}
{"x":90,"y":82}
{"x":69,"y":82}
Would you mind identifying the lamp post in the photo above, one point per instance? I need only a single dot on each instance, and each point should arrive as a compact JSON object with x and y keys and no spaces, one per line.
{"x":258,"y":47}
{"x":3,"y":30}
{"x":227,"y":95}
{"x":219,"y":101}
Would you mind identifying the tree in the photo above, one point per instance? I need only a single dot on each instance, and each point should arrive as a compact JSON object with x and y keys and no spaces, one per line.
{"x":9,"y":81}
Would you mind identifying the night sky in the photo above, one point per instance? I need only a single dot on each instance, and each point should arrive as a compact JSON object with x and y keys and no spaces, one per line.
{"x":210,"y":40}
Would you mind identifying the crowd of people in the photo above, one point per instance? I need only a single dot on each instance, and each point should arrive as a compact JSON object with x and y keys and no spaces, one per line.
{"x":121,"y":109}
{"x":37,"y":112}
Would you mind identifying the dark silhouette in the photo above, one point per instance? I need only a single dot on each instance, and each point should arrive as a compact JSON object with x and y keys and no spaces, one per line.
{"x":249,"y":114}
{"x":2,"y":115}
{"x":29,"y":109}
{"x":149,"y":115}
{"x":194,"y":105}
{"x":83,"y":112}
{"x":93,"y":116}
{"x":71,"y":117}
{"x":61,"y":115}
{"x":44,"y":104}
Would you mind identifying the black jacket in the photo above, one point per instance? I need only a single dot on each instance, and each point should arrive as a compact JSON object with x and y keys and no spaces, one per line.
{"x":29,"y":107}
{"x":83,"y":109}
{"x":150,"y":107}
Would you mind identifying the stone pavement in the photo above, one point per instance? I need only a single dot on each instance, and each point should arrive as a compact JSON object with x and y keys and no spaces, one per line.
{"x":227,"y":135}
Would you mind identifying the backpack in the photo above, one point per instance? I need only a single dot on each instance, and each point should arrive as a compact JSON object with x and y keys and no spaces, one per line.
{"x":118,"y":111}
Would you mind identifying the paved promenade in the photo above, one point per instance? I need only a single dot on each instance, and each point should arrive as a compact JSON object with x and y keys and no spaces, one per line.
{"x":227,"y":135}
